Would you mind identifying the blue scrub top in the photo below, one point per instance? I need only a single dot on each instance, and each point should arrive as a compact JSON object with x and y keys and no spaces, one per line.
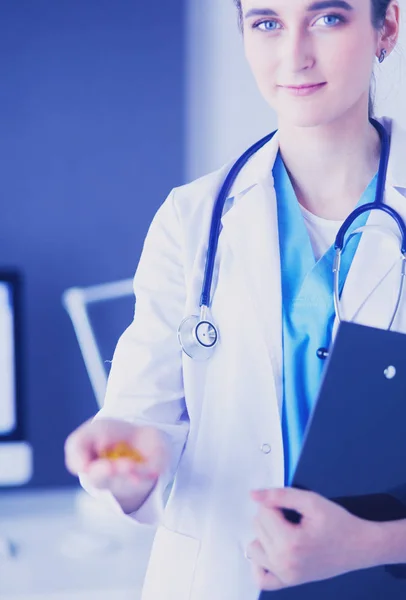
{"x":307,"y":309}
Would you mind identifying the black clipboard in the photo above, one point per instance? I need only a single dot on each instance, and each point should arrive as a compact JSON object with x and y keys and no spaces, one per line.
{"x":354,"y":451}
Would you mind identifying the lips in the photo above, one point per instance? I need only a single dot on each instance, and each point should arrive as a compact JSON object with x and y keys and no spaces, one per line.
{"x":303,"y":86}
{"x":306,"y":89}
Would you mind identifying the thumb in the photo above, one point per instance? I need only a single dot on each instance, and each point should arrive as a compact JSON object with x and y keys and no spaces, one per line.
{"x":293,"y":499}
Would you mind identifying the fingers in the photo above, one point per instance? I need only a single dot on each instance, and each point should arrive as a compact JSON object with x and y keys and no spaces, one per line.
{"x":118,"y":476}
{"x":79,"y":450}
{"x":152,"y":445}
{"x":88,"y":442}
{"x":85,"y":444}
{"x":85,"y":453}
{"x":108,"y":432}
{"x":302,"y":501}
{"x":273,"y":525}
{"x":100,"y":473}
{"x":267,"y":581}
{"x":263,"y":576}
{"x":137,"y":471}
{"x":256,"y":554}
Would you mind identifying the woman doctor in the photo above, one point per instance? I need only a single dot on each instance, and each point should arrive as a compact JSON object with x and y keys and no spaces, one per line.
{"x":228,"y":430}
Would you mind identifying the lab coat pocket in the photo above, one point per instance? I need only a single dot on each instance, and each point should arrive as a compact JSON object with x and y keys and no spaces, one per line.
{"x":171,"y":567}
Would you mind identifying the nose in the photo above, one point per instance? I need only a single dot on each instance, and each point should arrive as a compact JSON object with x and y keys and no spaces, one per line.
{"x":297,"y":52}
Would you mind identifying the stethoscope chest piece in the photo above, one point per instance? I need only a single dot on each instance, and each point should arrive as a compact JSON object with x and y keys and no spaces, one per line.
{"x":198,"y":338}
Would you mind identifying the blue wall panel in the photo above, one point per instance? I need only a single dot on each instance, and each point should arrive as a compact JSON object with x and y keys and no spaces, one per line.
{"x":91,"y":142}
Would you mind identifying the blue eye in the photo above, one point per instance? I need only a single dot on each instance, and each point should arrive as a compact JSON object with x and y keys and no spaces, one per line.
{"x":272,"y":25}
{"x":268,"y":25}
{"x":331,"y":20}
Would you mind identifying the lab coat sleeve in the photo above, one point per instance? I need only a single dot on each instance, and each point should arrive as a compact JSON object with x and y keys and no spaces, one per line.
{"x":145,"y":384}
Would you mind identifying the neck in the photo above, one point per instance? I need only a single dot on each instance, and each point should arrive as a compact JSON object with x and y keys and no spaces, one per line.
{"x":331,"y":165}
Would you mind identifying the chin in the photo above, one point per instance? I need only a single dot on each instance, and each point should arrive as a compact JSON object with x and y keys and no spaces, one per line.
{"x":306,"y":116}
{"x":295,"y":120}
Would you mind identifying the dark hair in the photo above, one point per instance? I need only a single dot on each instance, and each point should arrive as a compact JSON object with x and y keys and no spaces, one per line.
{"x":379,"y":10}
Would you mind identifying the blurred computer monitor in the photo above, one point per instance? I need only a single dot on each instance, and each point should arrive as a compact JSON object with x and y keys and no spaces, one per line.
{"x":15,"y":452}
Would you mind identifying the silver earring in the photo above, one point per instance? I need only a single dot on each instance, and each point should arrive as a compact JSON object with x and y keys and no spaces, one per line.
{"x":382,"y":55}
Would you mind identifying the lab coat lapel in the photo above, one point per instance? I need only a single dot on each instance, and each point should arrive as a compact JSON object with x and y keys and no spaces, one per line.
{"x":250,"y":229}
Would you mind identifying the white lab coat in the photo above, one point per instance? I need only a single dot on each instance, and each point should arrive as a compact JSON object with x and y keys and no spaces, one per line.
{"x":223,"y":417}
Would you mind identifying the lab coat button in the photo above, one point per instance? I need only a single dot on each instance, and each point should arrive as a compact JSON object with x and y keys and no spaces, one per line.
{"x":322,"y":353}
{"x":266,"y":448}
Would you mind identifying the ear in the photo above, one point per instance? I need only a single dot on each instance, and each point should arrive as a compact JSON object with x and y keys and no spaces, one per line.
{"x":390,"y":30}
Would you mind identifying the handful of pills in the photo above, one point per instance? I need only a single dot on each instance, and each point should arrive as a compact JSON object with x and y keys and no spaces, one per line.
{"x":122,"y":450}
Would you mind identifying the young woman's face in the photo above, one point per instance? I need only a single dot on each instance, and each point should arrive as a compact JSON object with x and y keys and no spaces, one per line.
{"x":290,"y":43}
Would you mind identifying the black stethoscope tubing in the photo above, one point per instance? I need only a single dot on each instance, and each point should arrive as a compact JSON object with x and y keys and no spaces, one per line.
{"x":339,"y":242}
{"x":203,"y":332}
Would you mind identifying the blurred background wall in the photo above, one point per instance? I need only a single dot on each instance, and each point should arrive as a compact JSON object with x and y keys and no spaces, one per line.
{"x":91,"y":141}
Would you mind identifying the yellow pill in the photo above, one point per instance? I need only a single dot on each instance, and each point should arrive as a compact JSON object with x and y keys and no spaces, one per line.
{"x":122,"y":450}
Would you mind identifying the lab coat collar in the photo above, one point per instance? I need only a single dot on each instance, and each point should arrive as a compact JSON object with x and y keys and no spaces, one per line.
{"x":257,"y":170}
{"x":396,"y":168}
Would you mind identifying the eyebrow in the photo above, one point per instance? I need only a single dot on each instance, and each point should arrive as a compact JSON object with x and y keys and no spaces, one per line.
{"x":322,"y":5}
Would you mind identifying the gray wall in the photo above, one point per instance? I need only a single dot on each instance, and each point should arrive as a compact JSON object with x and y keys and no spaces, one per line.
{"x":91,"y":142}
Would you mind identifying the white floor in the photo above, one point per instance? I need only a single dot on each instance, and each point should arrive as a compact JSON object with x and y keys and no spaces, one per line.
{"x":64,"y":546}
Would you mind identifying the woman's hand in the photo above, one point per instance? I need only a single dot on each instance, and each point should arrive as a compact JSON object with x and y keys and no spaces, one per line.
{"x":90,"y":450}
{"x":328,"y":541}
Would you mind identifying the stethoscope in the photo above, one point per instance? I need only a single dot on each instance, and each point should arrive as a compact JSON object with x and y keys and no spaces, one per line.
{"x":198,"y":335}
